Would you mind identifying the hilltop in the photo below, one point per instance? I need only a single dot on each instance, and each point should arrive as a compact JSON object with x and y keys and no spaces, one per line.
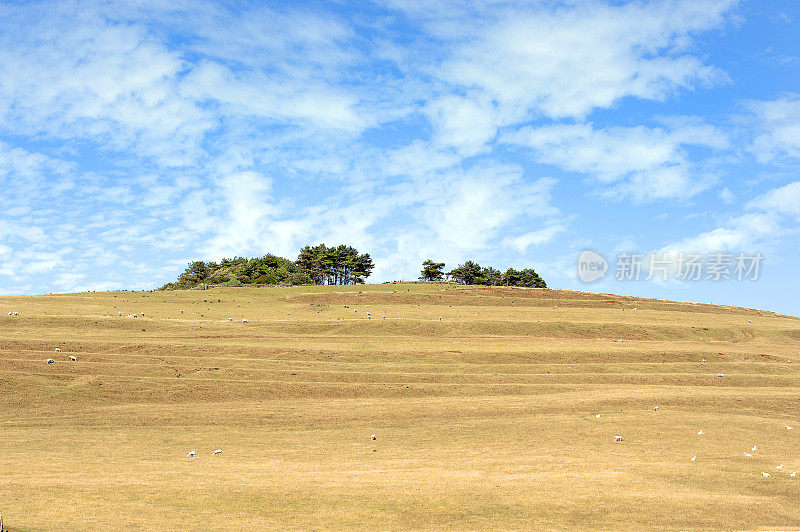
{"x":484,"y":402}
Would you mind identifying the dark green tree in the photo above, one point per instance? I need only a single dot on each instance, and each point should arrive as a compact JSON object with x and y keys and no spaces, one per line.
{"x":432,"y":271}
{"x":467,"y":273}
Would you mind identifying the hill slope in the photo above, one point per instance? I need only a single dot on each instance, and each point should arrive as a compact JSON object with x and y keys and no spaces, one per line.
{"x":486,"y":418}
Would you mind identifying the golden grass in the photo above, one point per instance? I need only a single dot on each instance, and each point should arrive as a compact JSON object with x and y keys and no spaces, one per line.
{"x":485,"y":419}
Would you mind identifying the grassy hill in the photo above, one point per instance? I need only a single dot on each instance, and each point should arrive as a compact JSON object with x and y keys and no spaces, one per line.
{"x":487,"y":418}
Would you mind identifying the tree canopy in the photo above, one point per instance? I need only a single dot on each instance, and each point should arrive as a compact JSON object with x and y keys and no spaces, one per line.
{"x":432,"y":271}
{"x":471,"y":272}
{"x":314,"y":265}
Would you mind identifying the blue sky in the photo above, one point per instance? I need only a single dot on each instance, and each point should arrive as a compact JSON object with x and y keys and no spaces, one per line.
{"x":136,"y":137}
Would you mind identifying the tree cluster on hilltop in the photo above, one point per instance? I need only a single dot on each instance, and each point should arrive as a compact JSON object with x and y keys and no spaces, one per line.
{"x":314,"y":265}
{"x":471,"y":272}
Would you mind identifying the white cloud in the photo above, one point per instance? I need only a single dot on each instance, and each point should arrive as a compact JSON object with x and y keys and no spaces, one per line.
{"x":640,"y":163}
{"x":784,"y":200}
{"x":534,"y":238}
{"x":765,"y":224}
{"x":564,"y":61}
{"x":778,"y":124}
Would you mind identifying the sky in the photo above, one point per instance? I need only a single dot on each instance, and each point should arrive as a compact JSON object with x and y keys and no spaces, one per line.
{"x":136,"y":137}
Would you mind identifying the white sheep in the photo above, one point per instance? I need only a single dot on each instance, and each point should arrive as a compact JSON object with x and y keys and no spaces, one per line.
{"x":619,"y":438}
{"x":366,"y":306}
{"x":244,"y":320}
{"x":50,"y":361}
{"x":597,"y":416}
{"x":789,"y":428}
{"x":142,"y":314}
{"x":119,"y":313}
{"x":694,"y":458}
{"x":793,"y":474}
{"x":191,"y":454}
{"x":230,"y":319}
{"x":656,"y":409}
{"x":16,"y":313}
{"x":703,"y":361}
{"x":440,"y":318}
{"x":384,"y":317}
{"x":755,"y":448}
{"x":217,"y":452}
{"x":700,"y":433}
{"x":721,"y":375}
{"x":765,"y":474}
{"x":181,"y":312}
{"x":748,"y":455}
{"x":58,"y":349}
{"x":73,"y":358}
{"x":373,"y":437}
{"x":10,"y":313}
{"x":779,"y":467}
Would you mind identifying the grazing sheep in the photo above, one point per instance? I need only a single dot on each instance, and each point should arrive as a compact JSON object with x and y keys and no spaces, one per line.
{"x":191,"y":454}
{"x":142,"y":314}
{"x":58,"y":349}
{"x":694,"y":458}
{"x":793,"y":474}
{"x":597,"y":416}
{"x":181,"y":312}
{"x":73,"y":358}
{"x":635,"y":309}
{"x":16,"y":313}
{"x":10,"y":313}
{"x":373,"y":437}
{"x":244,"y":320}
{"x":765,"y":474}
{"x":217,"y":452}
{"x":748,"y":455}
{"x":384,"y":317}
{"x":50,"y":361}
{"x":440,"y":318}
{"x":119,"y":313}
{"x":344,"y":306}
{"x":703,"y":361}
{"x":721,"y":375}
{"x":755,"y":448}
{"x":230,"y":319}
{"x":619,"y":438}
{"x":789,"y":428}
{"x":366,"y":306}
{"x":700,"y":433}
{"x":656,"y":409}
{"x":779,"y":467}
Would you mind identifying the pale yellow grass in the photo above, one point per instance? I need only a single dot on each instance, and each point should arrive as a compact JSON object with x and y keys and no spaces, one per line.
{"x":485,"y":419}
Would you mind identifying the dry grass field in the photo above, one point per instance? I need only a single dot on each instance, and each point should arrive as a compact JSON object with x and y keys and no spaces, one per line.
{"x":485,"y":419}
